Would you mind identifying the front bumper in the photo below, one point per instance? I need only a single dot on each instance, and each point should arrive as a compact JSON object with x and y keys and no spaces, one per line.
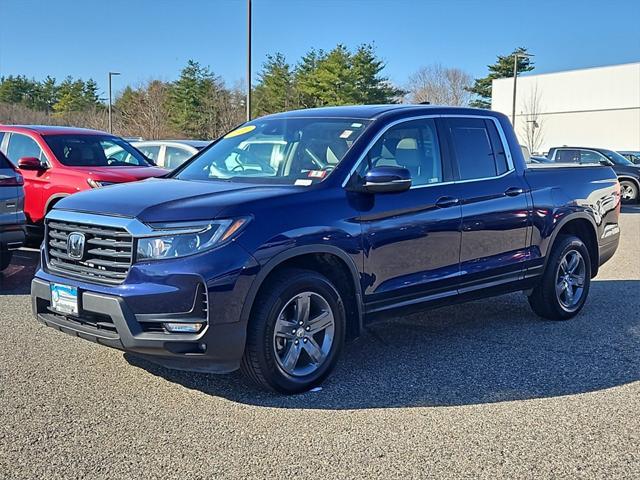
{"x":217,"y":349}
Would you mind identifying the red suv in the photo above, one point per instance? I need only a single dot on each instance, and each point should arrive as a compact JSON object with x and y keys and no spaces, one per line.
{"x":59,"y":161}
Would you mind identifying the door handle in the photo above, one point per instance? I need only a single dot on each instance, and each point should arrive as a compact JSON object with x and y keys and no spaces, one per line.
{"x":444,"y":202}
{"x":514,"y":191}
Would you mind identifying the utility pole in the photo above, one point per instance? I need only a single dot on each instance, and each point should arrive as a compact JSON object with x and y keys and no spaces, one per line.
{"x":248,"y":60}
{"x":111,"y":74}
{"x":515,"y":82}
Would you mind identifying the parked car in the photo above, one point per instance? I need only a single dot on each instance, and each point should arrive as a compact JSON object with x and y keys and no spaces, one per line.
{"x":11,"y":214}
{"x":633,"y":157}
{"x":234,"y":262}
{"x":628,"y":173}
{"x":59,"y":161}
{"x":170,"y":153}
{"x":538,"y":159}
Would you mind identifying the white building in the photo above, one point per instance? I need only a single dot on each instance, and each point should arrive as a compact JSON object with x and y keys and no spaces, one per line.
{"x":597,"y":107}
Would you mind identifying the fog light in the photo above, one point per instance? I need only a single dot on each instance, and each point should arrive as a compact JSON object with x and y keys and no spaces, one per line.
{"x":183,"y":327}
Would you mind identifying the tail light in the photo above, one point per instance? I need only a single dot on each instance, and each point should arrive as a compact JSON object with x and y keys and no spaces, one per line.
{"x":14,"y":181}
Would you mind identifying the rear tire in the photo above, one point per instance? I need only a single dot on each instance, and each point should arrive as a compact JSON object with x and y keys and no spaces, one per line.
{"x":295,"y":333}
{"x":628,"y":191}
{"x":564,"y":287}
{"x":5,"y":259}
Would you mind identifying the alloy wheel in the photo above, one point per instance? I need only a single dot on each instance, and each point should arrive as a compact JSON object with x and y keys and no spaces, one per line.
{"x":627,"y":192}
{"x":571,"y":279}
{"x":303,"y":334}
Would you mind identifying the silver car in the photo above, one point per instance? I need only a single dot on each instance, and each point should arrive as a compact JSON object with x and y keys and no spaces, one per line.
{"x":170,"y":153}
{"x":12,"y":219}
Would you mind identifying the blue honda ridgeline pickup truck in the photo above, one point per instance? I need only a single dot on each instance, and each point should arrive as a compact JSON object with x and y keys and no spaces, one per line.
{"x":273,"y":246}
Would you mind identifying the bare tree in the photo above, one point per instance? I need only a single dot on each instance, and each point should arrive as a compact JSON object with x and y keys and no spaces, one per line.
{"x":531,"y":129}
{"x":142,"y":111}
{"x":439,"y":85}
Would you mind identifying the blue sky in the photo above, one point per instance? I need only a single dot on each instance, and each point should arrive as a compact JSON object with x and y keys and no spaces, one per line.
{"x":154,"y":38}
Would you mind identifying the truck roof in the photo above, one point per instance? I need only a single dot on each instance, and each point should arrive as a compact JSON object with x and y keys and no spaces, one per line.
{"x":370,"y":112}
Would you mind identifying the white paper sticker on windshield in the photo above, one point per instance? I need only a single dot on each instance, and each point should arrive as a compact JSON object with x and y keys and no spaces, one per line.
{"x":303,"y":182}
{"x":346,"y":134}
{"x":356,"y":125}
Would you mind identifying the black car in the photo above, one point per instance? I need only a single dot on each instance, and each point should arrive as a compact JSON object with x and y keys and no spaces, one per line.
{"x":12,"y":218}
{"x":633,"y":156}
{"x":628,"y":172}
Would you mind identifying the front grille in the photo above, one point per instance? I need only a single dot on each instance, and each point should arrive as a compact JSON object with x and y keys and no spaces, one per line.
{"x":107,"y":255}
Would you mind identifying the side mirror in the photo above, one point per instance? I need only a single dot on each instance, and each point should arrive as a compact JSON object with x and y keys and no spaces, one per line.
{"x":387,"y":180}
{"x":30,"y":163}
{"x":606,"y":163}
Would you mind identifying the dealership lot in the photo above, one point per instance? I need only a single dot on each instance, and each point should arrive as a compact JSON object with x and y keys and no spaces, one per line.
{"x":484,"y":389}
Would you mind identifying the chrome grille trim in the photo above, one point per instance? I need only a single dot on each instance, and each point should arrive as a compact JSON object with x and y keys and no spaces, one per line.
{"x":108,"y":252}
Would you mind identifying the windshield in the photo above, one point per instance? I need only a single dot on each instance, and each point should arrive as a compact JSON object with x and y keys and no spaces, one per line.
{"x":616,"y":158}
{"x":94,"y":151}
{"x":291,"y":151}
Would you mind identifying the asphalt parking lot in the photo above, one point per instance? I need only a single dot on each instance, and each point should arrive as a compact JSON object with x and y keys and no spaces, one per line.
{"x":482,"y":390}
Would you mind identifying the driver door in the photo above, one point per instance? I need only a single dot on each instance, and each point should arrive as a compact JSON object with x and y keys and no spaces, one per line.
{"x":412,"y":238}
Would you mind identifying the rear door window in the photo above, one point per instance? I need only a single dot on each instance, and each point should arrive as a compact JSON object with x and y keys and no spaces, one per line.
{"x":478,"y":148}
{"x":567,"y":156}
{"x":174,"y":157}
{"x":150,"y":151}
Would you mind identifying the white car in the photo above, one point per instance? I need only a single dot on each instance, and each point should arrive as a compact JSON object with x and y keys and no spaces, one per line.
{"x":170,"y":154}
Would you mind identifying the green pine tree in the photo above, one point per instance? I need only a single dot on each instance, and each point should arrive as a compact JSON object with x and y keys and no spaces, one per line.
{"x":275,"y":90}
{"x":503,"y":68}
{"x":191,"y":103}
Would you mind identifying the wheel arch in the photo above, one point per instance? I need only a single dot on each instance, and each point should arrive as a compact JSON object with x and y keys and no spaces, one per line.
{"x":332,"y":262}
{"x":53,"y":199}
{"x":635,"y":181}
{"x":584,"y":227}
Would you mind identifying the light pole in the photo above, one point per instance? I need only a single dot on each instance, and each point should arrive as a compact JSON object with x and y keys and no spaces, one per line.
{"x":111,"y":74}
{"x":248,"y":60}
{"x":515,"y":82}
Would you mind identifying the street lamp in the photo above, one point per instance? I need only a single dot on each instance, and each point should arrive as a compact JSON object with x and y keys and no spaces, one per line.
{"x":111,"y":74}
{"x":515,"y":81}
{"x":248,"y":60}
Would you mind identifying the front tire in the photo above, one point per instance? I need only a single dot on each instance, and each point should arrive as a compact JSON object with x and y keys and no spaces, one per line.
{"x":295,"y":333}
{"x":628,"y":191}
{"x":564,"y":287}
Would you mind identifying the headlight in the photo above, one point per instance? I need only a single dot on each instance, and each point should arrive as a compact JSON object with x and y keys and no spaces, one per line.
{"x":180,"y":240}
{"x":97,"y":183}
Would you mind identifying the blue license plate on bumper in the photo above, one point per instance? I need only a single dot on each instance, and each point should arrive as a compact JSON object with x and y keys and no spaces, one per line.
{"x":64,"y":299}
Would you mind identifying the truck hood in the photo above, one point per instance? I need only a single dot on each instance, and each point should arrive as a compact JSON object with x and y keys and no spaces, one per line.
{"x":121,"y":174}
{"x":169,"y":200}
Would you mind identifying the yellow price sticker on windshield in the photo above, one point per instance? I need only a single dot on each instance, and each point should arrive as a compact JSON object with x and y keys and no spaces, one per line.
{"x":240,"y":131}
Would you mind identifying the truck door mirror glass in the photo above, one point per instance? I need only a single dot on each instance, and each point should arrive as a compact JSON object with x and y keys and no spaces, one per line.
{"x":605,"y":162}
{"x":31,"y":163}
{"x":387,"y":179}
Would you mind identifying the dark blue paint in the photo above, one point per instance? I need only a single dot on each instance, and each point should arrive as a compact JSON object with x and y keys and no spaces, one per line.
{"x":425,"y":246}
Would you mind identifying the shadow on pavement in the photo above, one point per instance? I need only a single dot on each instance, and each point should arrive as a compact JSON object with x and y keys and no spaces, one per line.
{"x":16,"y":279}
{"x":486,"y":351}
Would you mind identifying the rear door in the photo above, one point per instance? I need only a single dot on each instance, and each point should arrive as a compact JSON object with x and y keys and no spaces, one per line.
{"x":494,"y":198}
{"x":10,"y":192}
